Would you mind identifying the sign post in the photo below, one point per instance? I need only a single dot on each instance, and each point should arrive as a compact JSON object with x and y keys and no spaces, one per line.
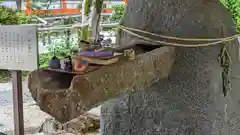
{"x":18,"y":52}
{"x":17,"y":103}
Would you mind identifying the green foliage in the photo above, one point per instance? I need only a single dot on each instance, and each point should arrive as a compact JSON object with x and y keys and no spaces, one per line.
{"x":4,"y":75}
{"x":234,"y":7}
{"x":11,"y":16}
{"x":117,"y":14}
{"x":58,"y":48}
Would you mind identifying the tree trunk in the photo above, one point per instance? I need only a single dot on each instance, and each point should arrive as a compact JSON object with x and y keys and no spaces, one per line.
{"x":190,"y":101}
{"x":95,"y":19}
{"x":19,"y":4}
{"x":85,"y":17}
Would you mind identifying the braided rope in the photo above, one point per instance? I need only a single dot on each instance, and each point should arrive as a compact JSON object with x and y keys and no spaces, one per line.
{"x":225,"y":58}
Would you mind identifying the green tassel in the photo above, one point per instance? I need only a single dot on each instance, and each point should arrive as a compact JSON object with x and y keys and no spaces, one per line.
{"x":225,"y":60}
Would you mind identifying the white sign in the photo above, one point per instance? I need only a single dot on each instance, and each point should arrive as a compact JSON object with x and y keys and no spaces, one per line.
{"x":18,"y":47}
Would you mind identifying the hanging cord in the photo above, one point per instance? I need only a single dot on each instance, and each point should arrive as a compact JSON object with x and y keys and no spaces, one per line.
{"x":224,"y":58}
{"x":218,"y":41}
{"x":177,"y":38}
{"x":226,"y":62}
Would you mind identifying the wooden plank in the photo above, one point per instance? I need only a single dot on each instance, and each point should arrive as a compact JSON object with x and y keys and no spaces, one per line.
{"x":17,"y":103}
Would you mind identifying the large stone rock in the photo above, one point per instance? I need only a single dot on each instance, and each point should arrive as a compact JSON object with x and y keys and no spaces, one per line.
{"x":190,"y":101}
{"x":66,"y":96}
{"x":85,"y":123}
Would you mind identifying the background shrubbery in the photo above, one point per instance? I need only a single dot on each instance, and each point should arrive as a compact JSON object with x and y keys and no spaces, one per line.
{"x":234,"y":7}
{"x":57,"y":47}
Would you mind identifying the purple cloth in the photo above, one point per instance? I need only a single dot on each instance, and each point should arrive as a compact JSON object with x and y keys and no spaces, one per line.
{"x":97,"y":54}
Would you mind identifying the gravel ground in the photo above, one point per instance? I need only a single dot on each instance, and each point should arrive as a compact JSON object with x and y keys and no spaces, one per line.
{"x":33,"y":116}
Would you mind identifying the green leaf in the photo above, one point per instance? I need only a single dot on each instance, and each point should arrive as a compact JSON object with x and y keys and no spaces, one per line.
{"x":117,"y":13}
